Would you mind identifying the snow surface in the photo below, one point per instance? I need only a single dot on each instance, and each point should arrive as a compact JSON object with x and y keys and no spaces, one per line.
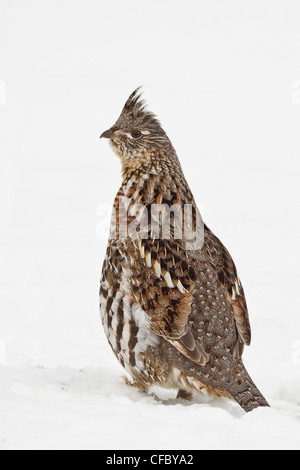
{"x":223,"y":78}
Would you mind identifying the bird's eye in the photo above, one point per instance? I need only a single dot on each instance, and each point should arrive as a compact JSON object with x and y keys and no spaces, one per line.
{"x":136,"y":134}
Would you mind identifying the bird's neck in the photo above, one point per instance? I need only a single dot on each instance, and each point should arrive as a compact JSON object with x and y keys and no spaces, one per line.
{"x":156,"y":185}
{"x":155,"y":177}
{"x":160,"y":165}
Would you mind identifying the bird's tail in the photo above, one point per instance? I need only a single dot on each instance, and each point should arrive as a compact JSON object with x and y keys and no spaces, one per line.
{"x":243,"y":390}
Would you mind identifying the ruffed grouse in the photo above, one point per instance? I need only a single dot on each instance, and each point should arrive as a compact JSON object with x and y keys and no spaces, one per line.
{"x":172,"y":305}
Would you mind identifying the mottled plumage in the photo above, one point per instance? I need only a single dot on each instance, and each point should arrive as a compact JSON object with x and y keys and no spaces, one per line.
{"x":174,"y":316}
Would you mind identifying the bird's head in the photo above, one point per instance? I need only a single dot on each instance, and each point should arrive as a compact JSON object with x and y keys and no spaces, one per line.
{"x":137,"y":132}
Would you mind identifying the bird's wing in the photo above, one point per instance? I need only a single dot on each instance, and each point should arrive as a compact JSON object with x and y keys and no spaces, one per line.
{"x":220,"y":259}
{"x":166,"y":294}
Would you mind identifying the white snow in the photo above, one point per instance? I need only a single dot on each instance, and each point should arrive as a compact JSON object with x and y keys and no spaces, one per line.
{"x":222,"y":77}
{"x":69,"y":408}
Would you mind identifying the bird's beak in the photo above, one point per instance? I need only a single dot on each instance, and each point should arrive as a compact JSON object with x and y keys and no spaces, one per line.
{"x":107,"y":134}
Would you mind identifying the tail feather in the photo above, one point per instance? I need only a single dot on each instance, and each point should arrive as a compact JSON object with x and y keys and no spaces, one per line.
{"x":243,"y":390}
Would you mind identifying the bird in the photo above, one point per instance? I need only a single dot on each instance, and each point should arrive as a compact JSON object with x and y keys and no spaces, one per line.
{"x":173,"y":310}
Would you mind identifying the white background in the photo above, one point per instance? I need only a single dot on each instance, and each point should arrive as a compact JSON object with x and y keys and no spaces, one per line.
{"x":224,"y":79}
